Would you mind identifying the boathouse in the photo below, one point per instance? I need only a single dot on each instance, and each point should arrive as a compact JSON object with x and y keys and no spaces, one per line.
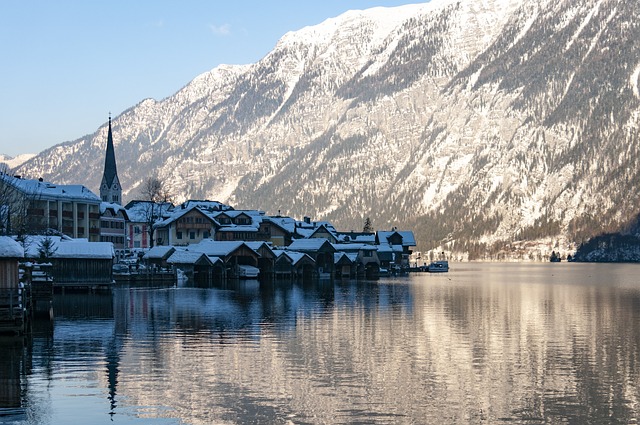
{"x":198,"y":266}
{"x":12,"y":306}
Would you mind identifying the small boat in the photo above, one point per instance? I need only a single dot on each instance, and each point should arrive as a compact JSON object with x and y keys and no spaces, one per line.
{"x":438,"y":267}
{"x":248,"y":272}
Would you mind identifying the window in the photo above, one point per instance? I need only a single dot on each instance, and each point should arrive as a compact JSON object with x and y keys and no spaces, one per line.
{"x":179,"y":235}
{"x":205,"y":234}
{"x":136,"y":244}
{"x":192,"y":235}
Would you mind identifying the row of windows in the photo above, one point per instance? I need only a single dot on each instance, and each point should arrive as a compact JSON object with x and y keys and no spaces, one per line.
{"x":112,"y":239}
{"x":192,"y":235}
{"x":112,"y":224}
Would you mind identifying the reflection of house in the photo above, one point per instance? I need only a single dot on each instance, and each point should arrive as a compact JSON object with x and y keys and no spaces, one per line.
{"x":35,"y":206}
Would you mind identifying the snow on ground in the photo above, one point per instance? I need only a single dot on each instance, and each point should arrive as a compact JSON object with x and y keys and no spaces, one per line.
{"x":634,"y":81}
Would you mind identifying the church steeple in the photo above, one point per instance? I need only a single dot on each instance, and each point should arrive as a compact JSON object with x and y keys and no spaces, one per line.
{"x":110,"y":190}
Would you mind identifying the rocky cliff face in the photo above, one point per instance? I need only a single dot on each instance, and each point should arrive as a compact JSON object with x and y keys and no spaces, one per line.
{"x":492,"y":128}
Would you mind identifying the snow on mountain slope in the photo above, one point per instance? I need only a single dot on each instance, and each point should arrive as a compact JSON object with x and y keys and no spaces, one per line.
{"x":493,"y":127}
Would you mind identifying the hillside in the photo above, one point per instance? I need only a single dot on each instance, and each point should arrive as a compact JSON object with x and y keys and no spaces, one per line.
{"x":492,"y":128}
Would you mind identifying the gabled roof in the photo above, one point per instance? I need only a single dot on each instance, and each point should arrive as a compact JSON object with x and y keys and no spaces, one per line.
{"x":190,"y":257}
{"x":261,"y":248}
{"x":287,"y":224}
{"x":408,"y":239}
{"x":159,"y":252}
{"x":179,"y":212}
{"x":340,"y":258}
{"x":310,"y":245}
{"x":294,"y":258}
{"x":219,"y":248}
{"x":114,"y":208}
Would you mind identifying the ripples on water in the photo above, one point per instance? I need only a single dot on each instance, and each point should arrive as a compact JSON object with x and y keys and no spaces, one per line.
{"x":485,"y":343}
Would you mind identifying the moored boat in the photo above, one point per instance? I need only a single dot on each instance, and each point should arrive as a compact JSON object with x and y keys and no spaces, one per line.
{"x":438,"y":267}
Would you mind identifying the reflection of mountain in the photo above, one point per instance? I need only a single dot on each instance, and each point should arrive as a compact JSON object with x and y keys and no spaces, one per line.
{"x":486,"y":344}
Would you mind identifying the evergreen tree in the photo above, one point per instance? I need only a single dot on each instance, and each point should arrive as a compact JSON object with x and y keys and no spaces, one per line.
{"x":368,"y":227}
{"x":46,"y":248}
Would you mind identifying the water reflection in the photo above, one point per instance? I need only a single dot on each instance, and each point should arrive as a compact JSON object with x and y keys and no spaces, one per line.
{"x":482,"y":344}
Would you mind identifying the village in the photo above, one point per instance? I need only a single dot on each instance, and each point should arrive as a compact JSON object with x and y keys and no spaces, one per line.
{"x":60,"y":237}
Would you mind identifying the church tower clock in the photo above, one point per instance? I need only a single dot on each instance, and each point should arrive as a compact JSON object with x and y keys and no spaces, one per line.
{"x":110,"y":190}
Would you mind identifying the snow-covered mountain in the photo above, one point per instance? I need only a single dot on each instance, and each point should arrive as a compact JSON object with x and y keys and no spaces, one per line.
{"x":491,"y":127}
{"x":13,"y":162}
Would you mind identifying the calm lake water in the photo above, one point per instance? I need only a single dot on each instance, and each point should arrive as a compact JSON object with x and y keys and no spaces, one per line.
{"x":485,"y":343}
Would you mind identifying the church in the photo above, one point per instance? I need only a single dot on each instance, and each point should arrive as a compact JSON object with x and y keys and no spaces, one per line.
{"x":113,"y":216}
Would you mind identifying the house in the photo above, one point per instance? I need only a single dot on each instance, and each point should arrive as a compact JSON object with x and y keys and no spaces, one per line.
{"x":142,"y":216}
{"x":113,"y":218}
{"x":185,"y":226}
{"x":406,"y":239}
{"x":36,"y":206}
{"x":277,"y":230}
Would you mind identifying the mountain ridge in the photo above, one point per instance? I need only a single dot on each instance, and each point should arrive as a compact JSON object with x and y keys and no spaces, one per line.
{"x":493,"y":128}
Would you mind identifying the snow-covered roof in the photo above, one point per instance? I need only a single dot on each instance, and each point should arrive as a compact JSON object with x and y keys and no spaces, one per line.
{"x":84,"y":249}
{"x":286,"y":223}
{"x":236,"y":228}
{"x":307,"y":244}
{"x":139,"y":211}
{"x":354,"y":247}
{"x":216,"y":248}
{"x":205,"y":205}
{"x":66,"y":247}
{"x":50,"y":191}
{"x":116,"y":208}
{"x":189,"y":257}
{"x":348,"y":237}
{"x":294,"y":257}
{"x":158,"y":252}
{"x":408,"y":239}
{"x":10,"y":248}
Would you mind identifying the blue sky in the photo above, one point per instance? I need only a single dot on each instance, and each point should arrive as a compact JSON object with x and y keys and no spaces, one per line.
{"x":67,"y":64}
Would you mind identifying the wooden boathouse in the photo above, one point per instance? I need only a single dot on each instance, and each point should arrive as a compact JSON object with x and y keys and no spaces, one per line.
{"x":13,"y":301}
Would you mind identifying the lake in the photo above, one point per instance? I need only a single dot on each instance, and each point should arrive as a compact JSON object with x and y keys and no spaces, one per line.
{"x":484,"y":343}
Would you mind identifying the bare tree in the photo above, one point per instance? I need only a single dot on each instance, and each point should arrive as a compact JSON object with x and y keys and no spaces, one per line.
{"x":159,"y":197}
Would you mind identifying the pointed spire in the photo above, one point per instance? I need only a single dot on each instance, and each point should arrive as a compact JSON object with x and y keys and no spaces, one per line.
{"x":110,"y":171}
